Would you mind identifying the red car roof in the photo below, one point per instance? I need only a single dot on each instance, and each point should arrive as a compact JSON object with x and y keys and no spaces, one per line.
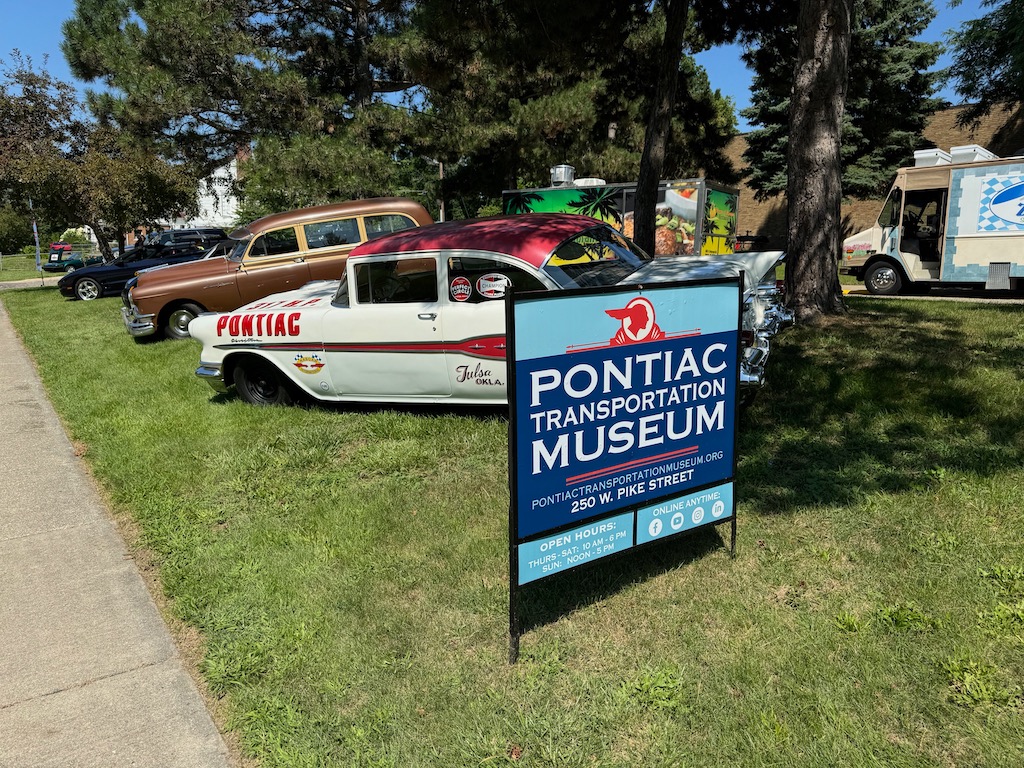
{"x":530,"y":237}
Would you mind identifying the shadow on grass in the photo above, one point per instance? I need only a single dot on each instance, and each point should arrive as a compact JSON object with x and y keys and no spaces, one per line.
{"x":434,"y":410}
{"x":559,"y":595}
{"x":886,"y":400}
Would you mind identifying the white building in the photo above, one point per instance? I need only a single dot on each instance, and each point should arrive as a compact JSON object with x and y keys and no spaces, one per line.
{"x":218,"y":206}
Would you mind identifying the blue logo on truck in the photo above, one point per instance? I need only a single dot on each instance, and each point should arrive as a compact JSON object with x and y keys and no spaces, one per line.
{"x":1008,"y":204}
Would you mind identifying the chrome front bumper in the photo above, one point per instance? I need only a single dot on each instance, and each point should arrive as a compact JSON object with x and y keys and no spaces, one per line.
{"x":755,"y":357}
{"x":138,"y":325}
{"x":212,"y":374}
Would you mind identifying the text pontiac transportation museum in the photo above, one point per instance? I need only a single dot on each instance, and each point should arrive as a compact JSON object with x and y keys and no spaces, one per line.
{"x":620,"y":441}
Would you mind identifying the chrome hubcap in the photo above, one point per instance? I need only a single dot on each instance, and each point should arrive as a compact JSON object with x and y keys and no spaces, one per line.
{"x":88,"y":290}
{"x":179,"y":322}
{"x":884,"y":278}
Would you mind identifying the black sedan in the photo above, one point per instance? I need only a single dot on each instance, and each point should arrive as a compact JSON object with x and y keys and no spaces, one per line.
{"x":108,"y":279}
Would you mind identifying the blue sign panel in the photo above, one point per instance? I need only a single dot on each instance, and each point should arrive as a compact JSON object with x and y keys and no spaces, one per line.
{"x":621,"y":398}
{"x":683,"y":513}
{"x":568,"y":549}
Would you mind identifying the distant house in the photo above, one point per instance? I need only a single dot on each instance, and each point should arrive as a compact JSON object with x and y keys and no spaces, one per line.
{"x":1001,"y":132}
{"x":218,"y":206}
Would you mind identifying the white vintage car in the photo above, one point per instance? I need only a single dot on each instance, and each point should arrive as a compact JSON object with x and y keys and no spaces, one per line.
{"x":418,"y":316}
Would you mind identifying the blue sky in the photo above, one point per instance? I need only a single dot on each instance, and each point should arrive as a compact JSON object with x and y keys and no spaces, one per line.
{"x":33,"y":26}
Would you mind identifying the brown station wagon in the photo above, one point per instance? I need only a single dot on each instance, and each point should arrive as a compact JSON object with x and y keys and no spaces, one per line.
{"x":276,"y":253}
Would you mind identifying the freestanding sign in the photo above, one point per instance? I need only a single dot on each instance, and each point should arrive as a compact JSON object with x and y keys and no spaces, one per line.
{"x":623,"y":421}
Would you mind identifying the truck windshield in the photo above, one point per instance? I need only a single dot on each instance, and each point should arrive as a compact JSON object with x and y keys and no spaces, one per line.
{"x":594,"y":258}
{"x":890,"y":215}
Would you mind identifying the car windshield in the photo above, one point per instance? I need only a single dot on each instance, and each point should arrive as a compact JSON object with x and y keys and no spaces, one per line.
{"x":239,"y":250}
{"x":341,"y":296}
{"x":594,"y":258}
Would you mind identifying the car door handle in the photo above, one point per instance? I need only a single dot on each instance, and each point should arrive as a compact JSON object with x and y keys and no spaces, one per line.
{"x":427,"y":315}
{"x":298,"y":260}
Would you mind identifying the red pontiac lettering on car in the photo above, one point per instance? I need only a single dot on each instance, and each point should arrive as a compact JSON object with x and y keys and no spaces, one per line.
{"x":284,"y":304}
{"x":263,"y":324}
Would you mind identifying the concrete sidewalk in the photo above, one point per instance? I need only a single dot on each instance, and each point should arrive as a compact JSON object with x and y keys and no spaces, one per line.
{"x":89,"y":674}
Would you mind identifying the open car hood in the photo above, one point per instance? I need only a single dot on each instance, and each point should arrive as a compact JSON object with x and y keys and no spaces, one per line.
{"x":753,"y":265}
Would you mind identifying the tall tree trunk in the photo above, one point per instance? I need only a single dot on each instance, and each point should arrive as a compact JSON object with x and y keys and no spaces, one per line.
{"x":102,"y":242}
{"x":364,"y":73}
{"x":659,"y":122}
{"x":814,"y":186}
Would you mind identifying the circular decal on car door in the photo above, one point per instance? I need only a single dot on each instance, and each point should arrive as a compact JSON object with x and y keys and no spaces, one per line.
{"x":461,"y":289}
{"x":493,"y":285}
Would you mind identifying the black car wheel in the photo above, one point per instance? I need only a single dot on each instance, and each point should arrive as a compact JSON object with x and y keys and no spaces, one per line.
{"x":883,"y":279}
{"x":178,"y":320}
{"x":260,"y":383}
{"x":87,"y":289}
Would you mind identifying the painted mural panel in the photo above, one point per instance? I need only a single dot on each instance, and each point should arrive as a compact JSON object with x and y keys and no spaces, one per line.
{"x":691,"y":216}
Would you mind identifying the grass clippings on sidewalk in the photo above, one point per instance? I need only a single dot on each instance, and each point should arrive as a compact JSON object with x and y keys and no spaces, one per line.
{"x":348,"y":567}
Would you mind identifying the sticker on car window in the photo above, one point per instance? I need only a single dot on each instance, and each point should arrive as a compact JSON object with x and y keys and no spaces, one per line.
{"x":461,"y":289}
{"x":493,"y":285}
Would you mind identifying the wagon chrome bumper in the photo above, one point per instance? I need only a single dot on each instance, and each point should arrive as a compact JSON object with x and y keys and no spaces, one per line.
{"x":138,"y":325}
{"x":212,"y":374}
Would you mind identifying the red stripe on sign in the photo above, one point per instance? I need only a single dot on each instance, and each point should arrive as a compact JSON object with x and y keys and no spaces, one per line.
{"x":629,"y":465}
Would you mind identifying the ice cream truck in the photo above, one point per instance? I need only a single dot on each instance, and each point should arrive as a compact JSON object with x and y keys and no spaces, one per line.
{"x":953,"y":219}
{"x":694,"y":217}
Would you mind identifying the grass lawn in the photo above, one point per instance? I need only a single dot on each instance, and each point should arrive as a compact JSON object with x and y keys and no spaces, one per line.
{"x":19,"y":267}
{"x":347,"y":568}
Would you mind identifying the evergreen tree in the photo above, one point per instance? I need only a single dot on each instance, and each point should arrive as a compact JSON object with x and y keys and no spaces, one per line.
{"x":512,"y":89}
{"x":495,"y":92}
{"x":890,"y":95}
{"x":205,"y":79}
{"x":988,"y":58}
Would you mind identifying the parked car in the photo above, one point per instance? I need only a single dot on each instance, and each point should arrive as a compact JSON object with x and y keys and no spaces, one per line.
{"x":63,"y":259}
{"x":108,"y":279}
{"x":204,"y":237}
{"x":220,"y":249}
{"x":418,"y":315}
{"x":275,"y":253}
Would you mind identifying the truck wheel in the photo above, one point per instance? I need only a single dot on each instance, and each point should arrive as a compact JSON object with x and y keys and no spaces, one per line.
{"x":258,"y":382}
{"x":883,"y":279}
{"x":178,"y":320}
{"x":87,"y":289}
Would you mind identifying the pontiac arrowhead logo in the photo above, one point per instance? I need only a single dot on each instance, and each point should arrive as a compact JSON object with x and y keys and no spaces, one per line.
{"x":637,"y":323}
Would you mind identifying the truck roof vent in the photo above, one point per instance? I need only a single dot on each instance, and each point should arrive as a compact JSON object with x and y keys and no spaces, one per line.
{"x":971,"y":153}
{"x":928,"y":157}
{"x":562,"y":175}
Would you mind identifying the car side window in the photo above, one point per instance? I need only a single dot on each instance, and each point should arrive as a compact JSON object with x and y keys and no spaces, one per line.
{"x":275,"y":243}
{"x":140,"y":253}
{"x":386,"y":223}
{"x":473,"y":280}
{"x":397,"y":281}
{"x":326,"y":234}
